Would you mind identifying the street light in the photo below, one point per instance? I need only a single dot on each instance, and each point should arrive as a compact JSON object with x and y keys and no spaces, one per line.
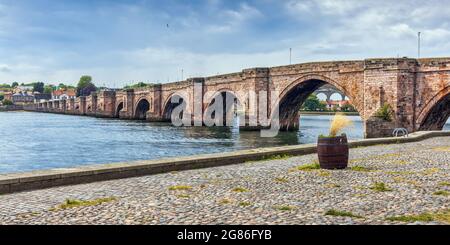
{"x":418,"y":44}
{"x":290,"y":56}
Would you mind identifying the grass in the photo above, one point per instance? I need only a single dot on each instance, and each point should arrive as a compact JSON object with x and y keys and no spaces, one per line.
{"x":277,"y":157}
{"x":308,"y":167}
{"x":360,"y":195}
{"x":443,"y":216}
{"x":385,"y":112}
{"x":332,"y":186}
{"x":323,"y":173}
{"x":334,"y":212}
{"x":272,"y":157}
{"x":240,"y":189}
{"x":281,"y":180}
{"x":284,"y":208}
{"x":379,"y":157}
{"x":441,"y":193}
{"x":407,"y":181}
{"x":180,"y":188}
{"x":400,"y":162}
{"x":425,"y":217}
{"x":225,"y":201}
{"x":444,"y":149}
{"x":445,"y":183}
{"x":380,"y":187}
{"x":360,"y":169}
{"x":73,"y":203}
{"x":245,"y":204}
{"x":430,"y":171}
{"x":183,"y":196}
{"x":399,"y":172}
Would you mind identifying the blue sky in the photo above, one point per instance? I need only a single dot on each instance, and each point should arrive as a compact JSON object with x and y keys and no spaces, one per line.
{"x":120,"y":42}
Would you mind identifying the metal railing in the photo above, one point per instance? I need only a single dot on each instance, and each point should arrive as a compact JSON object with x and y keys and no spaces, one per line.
{"x":402,"y":131}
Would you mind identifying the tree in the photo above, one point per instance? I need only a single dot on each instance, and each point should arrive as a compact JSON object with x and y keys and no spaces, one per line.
{"x":38,"y":87}
{"x":85,"y":86}
{"x":2,"y":96}
{"x":7,"y":102}
{"x":62,"y":86}
{"x":313,"y":103}
{"x":14,"y":84}
{"x":348,"y":108}
{"x":48,"y":89}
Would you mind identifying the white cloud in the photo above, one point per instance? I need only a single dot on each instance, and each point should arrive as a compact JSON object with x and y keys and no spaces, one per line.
{"x":233,"y":20}
{"x":129,"y":42}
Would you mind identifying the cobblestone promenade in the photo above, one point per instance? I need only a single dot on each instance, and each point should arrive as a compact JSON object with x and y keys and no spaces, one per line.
{"x":408,"y":183}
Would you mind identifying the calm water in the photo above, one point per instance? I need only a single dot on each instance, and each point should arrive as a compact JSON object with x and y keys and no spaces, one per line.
{"x":31,"y":141}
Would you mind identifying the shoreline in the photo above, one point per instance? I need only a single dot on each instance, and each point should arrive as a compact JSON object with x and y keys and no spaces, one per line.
{"x":326,"y":113}
{"x":17,"y":182}
{"x":383,"y":185}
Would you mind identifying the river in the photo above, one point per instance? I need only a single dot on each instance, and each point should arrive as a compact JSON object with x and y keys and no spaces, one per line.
{"x":35,"y":141}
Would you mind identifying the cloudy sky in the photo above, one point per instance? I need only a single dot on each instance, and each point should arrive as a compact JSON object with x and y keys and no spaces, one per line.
{"x":120,"y":42}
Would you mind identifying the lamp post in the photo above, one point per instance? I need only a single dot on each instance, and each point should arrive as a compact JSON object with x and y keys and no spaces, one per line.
{"x":290,"y":56}
{"x":418,"y":44}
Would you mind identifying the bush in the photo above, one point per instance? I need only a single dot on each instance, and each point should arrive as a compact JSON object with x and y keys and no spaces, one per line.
{"x":7,"y":102}
{"x":385,"y":112}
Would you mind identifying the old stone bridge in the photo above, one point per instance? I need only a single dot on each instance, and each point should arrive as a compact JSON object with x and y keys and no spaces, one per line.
{"x":418,"y":91}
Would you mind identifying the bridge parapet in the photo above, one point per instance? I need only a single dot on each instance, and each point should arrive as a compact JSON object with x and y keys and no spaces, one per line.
{"x":416,"y":90}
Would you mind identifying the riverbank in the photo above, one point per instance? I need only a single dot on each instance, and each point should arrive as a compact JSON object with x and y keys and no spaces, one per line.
{"x":328,"y":113}
{"x":11,"y":108}
{"x":385,"y":184}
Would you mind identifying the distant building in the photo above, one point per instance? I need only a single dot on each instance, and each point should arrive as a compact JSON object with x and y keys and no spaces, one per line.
{"x":22,"y":98}
{"x":8,"y":96}
{"x":38,"y":97}
{"x":23,"y":89}
{"x":61,"y":94}
{"x":331,"y":104}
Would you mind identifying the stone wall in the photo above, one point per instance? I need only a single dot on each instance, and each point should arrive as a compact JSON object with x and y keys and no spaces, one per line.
{"x":417,"y":90}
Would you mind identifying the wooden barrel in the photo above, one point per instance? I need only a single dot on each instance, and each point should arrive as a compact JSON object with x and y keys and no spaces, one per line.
{"x":333,"y":152}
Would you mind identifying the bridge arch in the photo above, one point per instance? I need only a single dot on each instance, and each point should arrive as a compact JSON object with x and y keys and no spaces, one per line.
{"x":436,"y":112}
{"x":119,"y":107}
{"x":142,"y":107}
{"x":232,"y":104}
{"x":169,"y":106}
{"x":295,"y":94}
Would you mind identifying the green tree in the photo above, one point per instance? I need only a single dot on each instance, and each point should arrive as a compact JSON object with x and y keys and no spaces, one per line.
{"x":48,"y":89}
{"x":348,"y":108}
{"x":38,"y":87}
{"x":7,"y":102}
{"x":14,"y":84}
{"x":137,"y":85}
{"x":2,"y":96}
{"x":62,"y":86}
{"x":313,"y":103}
{"x":85,"y":86}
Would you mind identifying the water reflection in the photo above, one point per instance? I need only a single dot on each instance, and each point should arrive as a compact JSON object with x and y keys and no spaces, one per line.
{"x":30,"y":141}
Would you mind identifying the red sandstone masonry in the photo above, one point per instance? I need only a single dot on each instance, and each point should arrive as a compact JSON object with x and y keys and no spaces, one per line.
{"x":417,"y":90}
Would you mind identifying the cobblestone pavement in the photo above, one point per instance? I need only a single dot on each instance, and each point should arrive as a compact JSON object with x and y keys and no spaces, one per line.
{"x":416,"y":176}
